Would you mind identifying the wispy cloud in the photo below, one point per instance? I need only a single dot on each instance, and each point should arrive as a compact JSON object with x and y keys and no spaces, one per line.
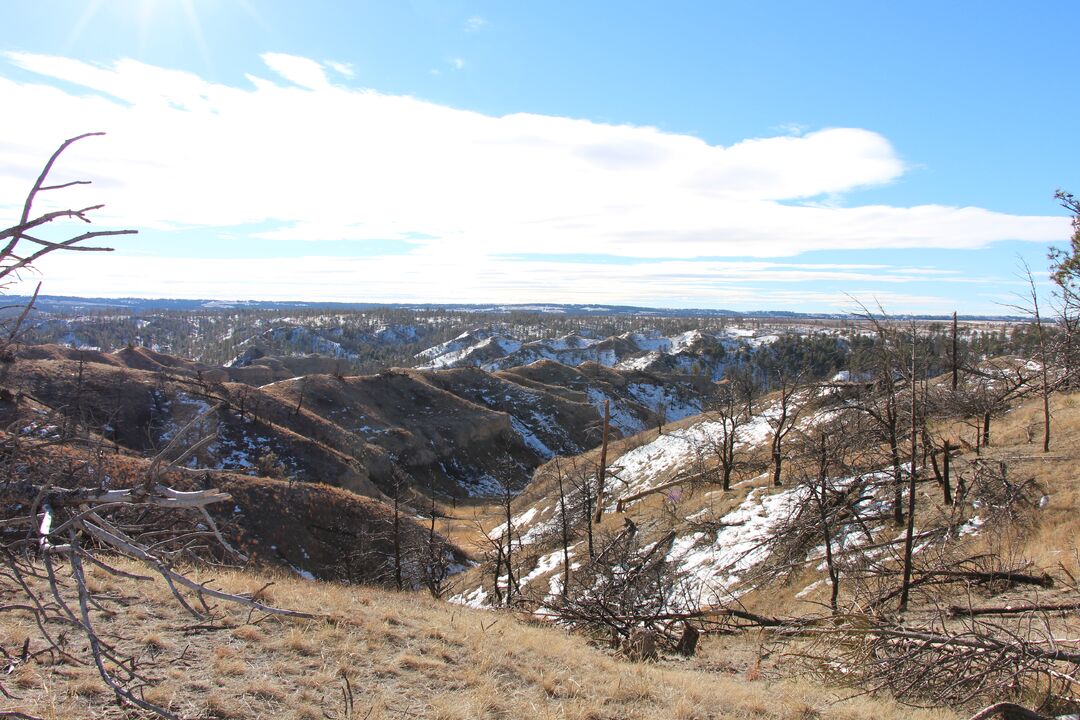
{"x":456,"y":63}
{"x":314,"y":160}
{"x":475,"y":24}
{"x":342,"y":68}
{"x":304,"y":72}
{"x":792,"y":128}
{"x":494,"y":280}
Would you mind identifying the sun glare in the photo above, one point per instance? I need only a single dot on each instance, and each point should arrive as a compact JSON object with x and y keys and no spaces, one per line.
{"x":150,"y":18}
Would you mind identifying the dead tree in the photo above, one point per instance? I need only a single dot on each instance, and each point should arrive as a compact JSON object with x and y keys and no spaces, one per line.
{"x":76,"y":526}
{"x":782,"y":421}
{"x":729,"y":410}
{"x":14,"y":260}
{"x":882,"y":405}
{"x":49,"y":520}
{"x":1065,"y":274}
{"x":625,"y":588}
{"x":954,"y":355}
{"x":913,"y":475}
{"x":602,"y":471}
{"x":564,"y":528}
{"x":582,"y":475}
{"x":1031,"y":308}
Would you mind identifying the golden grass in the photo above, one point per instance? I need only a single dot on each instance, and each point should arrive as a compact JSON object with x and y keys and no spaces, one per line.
{"x":407,"y":655}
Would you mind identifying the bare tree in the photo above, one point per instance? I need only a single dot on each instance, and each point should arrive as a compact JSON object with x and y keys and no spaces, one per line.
{"x":49,"y":519}
{"x":913,"y":476}
{"x":602,"y":471}
{"x":564,"y":527}
{"x":788,"y":409}
{"x":730,"y":406}
{"x":14,"y":260}
{"x":1030,"y":307}
{"x":882,"y":404}
{"x":1065,"y":274}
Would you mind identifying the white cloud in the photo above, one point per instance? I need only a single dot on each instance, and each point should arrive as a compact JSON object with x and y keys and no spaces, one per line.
{"x":303,"y":71}
{"x":311,"y":160}
{"x":712,"y":284}
{"x":475,"y":24}
{"x":342,"y":68}
{"x":456,"y":63}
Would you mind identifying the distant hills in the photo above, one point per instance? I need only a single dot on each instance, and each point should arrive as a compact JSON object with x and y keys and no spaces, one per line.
{"x":62,"y":303}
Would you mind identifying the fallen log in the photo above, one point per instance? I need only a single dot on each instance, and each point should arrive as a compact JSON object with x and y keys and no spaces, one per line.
{"x":1012,"y":711}
{"x":961,"y":611}
{"x":1009,"y":576}
{"x":622,"y":502}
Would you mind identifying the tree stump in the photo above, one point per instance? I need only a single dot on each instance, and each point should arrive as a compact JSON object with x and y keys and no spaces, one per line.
{"x":641,"y":646}
{"x":688,"y":642}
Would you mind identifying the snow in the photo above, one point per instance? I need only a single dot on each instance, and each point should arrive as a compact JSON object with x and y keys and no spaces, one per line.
{"x":516,"y":522}
{"x":659,"y":398}
{"x":762,"y":340}
{"x":534,"y":443}
{"x":649,"y":341}
{"x":306,"y":574}
{"x":641,"y":362}
{"x":464,"y":340}
{"x":483,"y":486}
{"x":809,"y":588}
{"x":544,"y":565}
{"x":971,"y":527}
{"x":684,"y":341}
{"x":620,"y":418}
{"x":570,"y":342}
{"x":172,"y":427}
{"x":477,"y":598}
{"x":640,"y":467}
{"x":739,"y":545}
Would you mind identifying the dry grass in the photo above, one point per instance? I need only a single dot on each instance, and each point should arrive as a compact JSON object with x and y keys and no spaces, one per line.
{"x":405,"y":656}
{"x":1054,"y":542}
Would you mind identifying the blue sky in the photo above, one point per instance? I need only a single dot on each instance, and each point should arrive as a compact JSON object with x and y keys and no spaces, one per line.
{"x":767,"y":155}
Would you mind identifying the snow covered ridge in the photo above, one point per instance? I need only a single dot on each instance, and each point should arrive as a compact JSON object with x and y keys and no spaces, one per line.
{"x":691,"y":352}
{"x":721,"y":546}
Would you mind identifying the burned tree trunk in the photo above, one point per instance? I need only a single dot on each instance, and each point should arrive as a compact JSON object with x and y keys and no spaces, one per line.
{"x":602,"y":471}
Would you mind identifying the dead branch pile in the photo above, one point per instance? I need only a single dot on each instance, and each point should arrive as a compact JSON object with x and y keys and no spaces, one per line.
{"x":58,"y":516}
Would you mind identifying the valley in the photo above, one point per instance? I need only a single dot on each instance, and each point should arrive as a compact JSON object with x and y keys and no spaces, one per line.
{"x":484,"y":476}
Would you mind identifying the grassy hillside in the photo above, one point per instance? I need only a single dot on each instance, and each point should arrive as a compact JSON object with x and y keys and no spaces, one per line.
{"x":704,"y":552}
{"x":404,"y":655}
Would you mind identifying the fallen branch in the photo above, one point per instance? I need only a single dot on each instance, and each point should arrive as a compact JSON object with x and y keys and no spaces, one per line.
{"x":622,"y":502}
{"x":1011,"y":711}
{"x":1008,"y":576}
{"x":961,"y":611}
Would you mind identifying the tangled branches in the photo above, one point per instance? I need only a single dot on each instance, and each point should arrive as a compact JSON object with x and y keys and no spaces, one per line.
{"x":946,"y":662}
{"x":51,"y":532}
{"x":57,"y":520}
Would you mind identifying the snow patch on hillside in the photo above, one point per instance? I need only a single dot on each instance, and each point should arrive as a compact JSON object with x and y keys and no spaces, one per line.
{"x":714,"y":568}
{"x":531,"y":441}
{"x":664,"y":401}
{"x":653,"y":463}
{"x":620,"y":418}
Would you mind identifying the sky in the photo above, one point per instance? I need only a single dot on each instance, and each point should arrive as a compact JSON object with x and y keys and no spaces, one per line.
{"x":774,"y":155}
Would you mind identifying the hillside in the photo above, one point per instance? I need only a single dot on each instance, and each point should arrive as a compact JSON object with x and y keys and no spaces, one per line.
{"x":462,"y":432}
{"x":374,"y":654}
{"x":674,"y":546}
{"x":272,"y":339}
{"x":752,"y":569}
